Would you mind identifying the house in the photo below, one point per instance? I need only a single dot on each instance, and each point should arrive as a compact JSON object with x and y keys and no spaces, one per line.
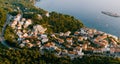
{"x":106,"y":49}
{"x":64,"y":52}
{"x":22,"y":45}
{"x":113,"y":41}
{"x":29,"y":45}
{"x":19,"y":26}
{"x":77,"y":48}
{"x":99,"y":50}
{"x":76,"y":33}
{"x":27,"y":41}
{"x":20,"y":39}
{"x":85,"y":46}
{"x":13,"y":24}
{"x":24,"y":42}
{"x":82,"y":31}
{"x":15,"y":10}
{"x":69,"y":43}
{"x":58,"y":51}
{"x":53,"y":35}
{"x":100,"y":40}
{"x":50,"y":46}
{"x":19,"y":33}
{"x":39,"y":16}
{"x":44,"y":40}
{"x":24,"y":31}
{"x":25,"y":35}
{"x":115,"y":37}
{"x":39,"y":29}
{"x":100,"y":32}
{"x":102,"y":43}
{"x":85,"y":38}
{"x":61,"y":34}
{"x":94,"y":31}
{"x":27,"y":23}
{"x":114,"y":50}
{"x":72,"y":54}
{"x":69,"y":39}
{"x":17,"y":17}
{"x":80,"y":53}
{"x":31,"y":33}
{"x":80,"y":38}
{"x":60,"y":41}
{"x":90,"y":31}
{"x":18,"y":8}
{"x":47,"y":14}
{"x":90,"y":48}
{"x":67,"y":33}
{"x":35,"y":33}
{"x":47,"y":45}
{"x":68,"y":46}
{"x":38,"y":43}
{"x":43,"y":36}
{"x":23,"y":20}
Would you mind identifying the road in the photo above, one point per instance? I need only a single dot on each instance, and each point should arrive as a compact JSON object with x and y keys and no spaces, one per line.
{"x":8,"y":18}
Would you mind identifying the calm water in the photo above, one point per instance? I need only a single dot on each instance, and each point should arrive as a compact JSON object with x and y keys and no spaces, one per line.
{"x":88,"y":11}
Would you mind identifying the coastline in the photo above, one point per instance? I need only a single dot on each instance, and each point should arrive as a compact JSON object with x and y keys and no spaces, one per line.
{"x":87,"y":27}
{"x":93,"y":20}
{"x":54,"y":38}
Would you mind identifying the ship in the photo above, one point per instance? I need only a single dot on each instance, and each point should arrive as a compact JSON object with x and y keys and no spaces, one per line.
{"x":110,"y":14}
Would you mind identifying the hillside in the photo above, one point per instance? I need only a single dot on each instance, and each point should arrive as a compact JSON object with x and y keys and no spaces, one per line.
{"x":36,"y":36}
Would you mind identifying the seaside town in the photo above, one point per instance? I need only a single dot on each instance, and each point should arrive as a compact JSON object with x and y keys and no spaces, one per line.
{"x":75,"y":44}
{"x":38,"y":32}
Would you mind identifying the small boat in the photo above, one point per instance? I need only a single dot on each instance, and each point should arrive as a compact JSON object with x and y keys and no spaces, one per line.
{"x":110,"y":14}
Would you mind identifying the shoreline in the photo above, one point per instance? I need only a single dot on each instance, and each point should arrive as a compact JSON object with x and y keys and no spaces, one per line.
{"x":82,"y":22}
{"x":102,"y":27}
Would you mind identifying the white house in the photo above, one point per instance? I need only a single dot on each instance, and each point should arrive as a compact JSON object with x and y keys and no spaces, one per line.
{"x":67,"y":33}
{"x":17,"y":17}
{"x":47,"y":14}
{"x":61,"y":34}
{"x":44,"y":40}
{"x":39,"y":29}
{"x":27,"y":23}
{"x":43,"y":36}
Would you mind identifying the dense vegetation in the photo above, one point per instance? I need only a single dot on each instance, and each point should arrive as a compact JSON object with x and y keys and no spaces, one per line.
{"x":33,"y":56}
{"x":11,"y":37}
{"x":58,"y":21}
{"x":2,"y":18}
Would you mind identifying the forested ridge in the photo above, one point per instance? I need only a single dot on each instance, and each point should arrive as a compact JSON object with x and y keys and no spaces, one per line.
{"x":33,"y":56}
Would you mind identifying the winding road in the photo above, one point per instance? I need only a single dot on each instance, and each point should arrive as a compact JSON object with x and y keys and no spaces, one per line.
{"x":8,"y":18}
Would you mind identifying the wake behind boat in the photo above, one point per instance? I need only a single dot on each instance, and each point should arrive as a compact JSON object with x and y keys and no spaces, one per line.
{"x":110,"y":14}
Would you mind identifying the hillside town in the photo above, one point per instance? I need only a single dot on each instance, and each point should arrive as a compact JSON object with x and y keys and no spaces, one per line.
{"x":71,"y":44}
{"x":38,"y":32}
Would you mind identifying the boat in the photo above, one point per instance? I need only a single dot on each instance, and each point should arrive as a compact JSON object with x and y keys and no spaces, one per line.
{"x":110,"y":14}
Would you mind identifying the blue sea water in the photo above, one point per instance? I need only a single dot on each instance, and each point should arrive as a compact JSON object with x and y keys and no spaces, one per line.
{"x":88,"y":11}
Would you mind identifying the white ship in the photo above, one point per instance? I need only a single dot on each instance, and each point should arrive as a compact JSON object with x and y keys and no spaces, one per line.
{"x":110,"y":14}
